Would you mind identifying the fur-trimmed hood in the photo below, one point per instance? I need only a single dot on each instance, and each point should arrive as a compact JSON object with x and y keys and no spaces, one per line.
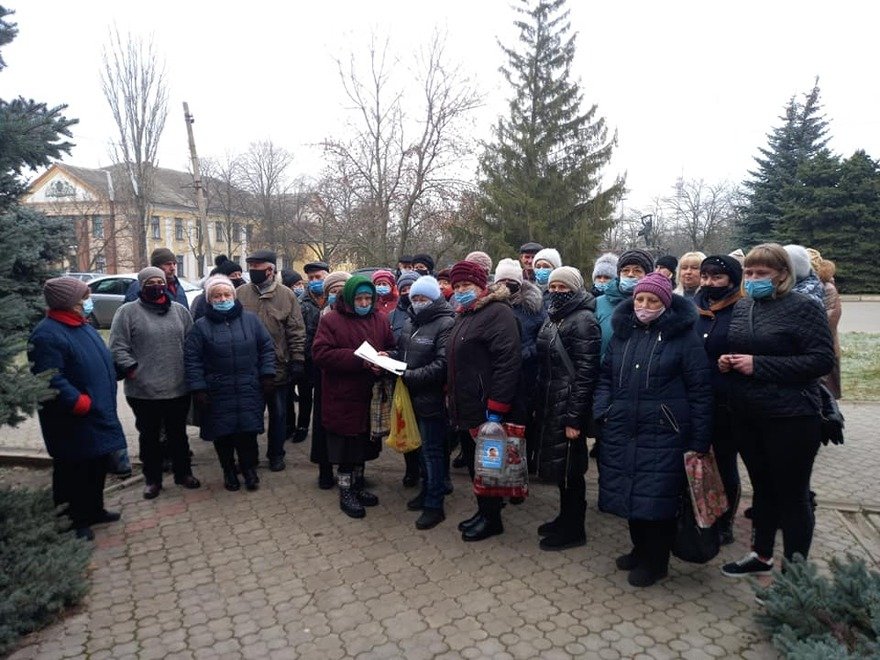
{"x":528,"y":297}
{"x":496,"y":294}
{"x":676,"y":320}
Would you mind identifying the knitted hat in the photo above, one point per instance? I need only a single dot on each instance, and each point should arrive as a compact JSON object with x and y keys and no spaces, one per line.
{"x":469,"y":271}
{"x":148,"y":272}
{"x":481,"y":258}
{"x":425,"y":286}
{"x":569,"y":276}
{"x":407,"y":278}
{"x":530,"y":248}
{"x":383,"y":274}
{"x":314,"y":266}
{"x":424,"y":259}
{"x":658,"y":284}
{"x":64,"y":292}
{"x":262,"y":256}
{"x":668,"y":262}
{"x":334,"y":278}
{"x":215,"y":281}
{"x":290,"y":277}
{"x":815,"y":259}
{"x":220,"y":259}
{"x":161,"y":256}
{"x":354,"y":285}
{"x":509,"y":269}
{"x":606,"y":265}
{"x":723,"y":264}
{"x":548,"y":254}
{"x":405,"y":259}
{"x":636,"y":257}
{"x":444,"y":274}
{"x":800,"y":260}
{"x":228,"y":267}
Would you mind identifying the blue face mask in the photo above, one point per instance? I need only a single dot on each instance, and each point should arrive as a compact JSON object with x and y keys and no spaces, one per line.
{"x":316,"y":287}
{"x":464,"y":298}
{"x":223,"y":305}
{"x":600,"y":286}
{"x":331,"y":299}
{"x":362,"y":311}
{"x":88,"y":306}
{"x":758,"y":289}
{"x":299,"y":292}
{"x":383,"y":289}
{"x":542,"y":275}
{"x":627,"y":284}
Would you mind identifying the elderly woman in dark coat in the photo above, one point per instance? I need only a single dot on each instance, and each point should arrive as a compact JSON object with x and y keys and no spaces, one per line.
{"x":80,"y":426}
{"x":347,"y":386}
{"x":568,"y":354}
{"x":229,"y":358}
{"x":654,"y":402}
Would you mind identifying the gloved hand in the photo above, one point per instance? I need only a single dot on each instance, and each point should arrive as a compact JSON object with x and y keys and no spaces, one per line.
{"x":201,"y":399}
{"x":267,"y":385}
{"x":296,"y":370}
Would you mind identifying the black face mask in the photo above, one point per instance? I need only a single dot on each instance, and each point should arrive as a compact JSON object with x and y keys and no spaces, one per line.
{"x":558,"y":299}
{"x":237,"y":283}
{"x":258,"y":277}
{"x":153,"y":292}
{"x":513,"y":287}
{"x":403,"y":302}
{"x":718,"y":292}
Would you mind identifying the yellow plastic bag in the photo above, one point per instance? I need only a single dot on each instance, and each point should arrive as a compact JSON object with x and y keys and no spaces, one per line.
{"x":404,"y":435}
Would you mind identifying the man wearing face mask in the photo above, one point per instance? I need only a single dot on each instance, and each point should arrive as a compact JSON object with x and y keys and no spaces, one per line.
{"x":279,"y":310}
{"x":164,"y":259}
{"x":423,"y":264}
{"x":632,"y":266}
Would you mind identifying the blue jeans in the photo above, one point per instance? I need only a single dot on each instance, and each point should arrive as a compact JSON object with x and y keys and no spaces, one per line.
{"x":433,"y":460}
{"x":277,"y":433}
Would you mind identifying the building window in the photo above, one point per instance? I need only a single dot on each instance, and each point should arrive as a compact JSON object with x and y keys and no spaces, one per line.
{"x":220,"y":233}
{"x":156,"y":226}
{"x":180,"y":272}
{"x":100,"y":264}
{"x":236,"y":232}
{"x":249,"y":234}
{"x":97,"y":226}
{"x":178,"y":229}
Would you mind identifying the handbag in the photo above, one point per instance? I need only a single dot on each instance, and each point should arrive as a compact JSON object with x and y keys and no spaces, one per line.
{"x":693,"y":543}
{"x":832,"y":418}
{"x":705,"y":488}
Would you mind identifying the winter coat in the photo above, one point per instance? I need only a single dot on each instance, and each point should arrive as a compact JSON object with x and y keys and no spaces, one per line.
{"x":833,"y":309}
{"x":278,"y":309}
{"x":226,"y":355}
{"x":397,"y":318}
{"x":654,"y":402}
{"x":346,"y":384}
{"x":812,"y":287}
{"x":178,"y":295}
{"x":82,"y":366}
{"x":484,"y":360}
{"x":387,"y":304}
{"x":564,"y":397}
{"x":712,"y":326}
{"x":147,"y":344}
{"x":199,"y":307}
{"x":422,"y":346}
{"x":605,"y":309}
{"x":792,"y":347}
{"x":528,"y":306}
{"x":311,"y":314}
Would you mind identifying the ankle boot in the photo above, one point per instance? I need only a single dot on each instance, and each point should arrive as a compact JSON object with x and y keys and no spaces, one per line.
{"x":230,"y":480}
{"x":365,"y":497}
{"x":413,"y":472}
{"x":552,"y":526}
{"x":348,"y":501}
{"x":570,"y":532}
{"x":251,"y":480}
{"x":326,"y":480}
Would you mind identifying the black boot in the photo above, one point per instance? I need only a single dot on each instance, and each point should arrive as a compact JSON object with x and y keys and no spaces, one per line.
{"x":365,"y":497}
{"x":570,"y":532}
{"x":230,"y":480}
{"x":348,"y":501}
{"x":326,"y":480}
{"x":459,"y":461}
{"x":551,"y":527}
{"x":226,"y":454}
{"x":417,"y":503}
{"x":470,"y":522}
{"x":411,"y":477}
{"x":430,"y":518}
{"x":489,"y":523}
{"x":251,"y":480}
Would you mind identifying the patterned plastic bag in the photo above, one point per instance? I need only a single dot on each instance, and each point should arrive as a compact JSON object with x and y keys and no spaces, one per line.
{"x":500,"y":461}
{"x":404,"y":435}
{"x":705,"y":487}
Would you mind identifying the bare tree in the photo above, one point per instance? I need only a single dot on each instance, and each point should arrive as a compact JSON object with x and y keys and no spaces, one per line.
{"x":401,"y":171}
{"x":702,"y":212}
{"x":134,"y":86}
{"x":225,"y":188}
{"x":94,"y":228}
{"x":264,"y":176}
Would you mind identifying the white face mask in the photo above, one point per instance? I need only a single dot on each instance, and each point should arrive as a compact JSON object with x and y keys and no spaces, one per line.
{"x":647,"y":316}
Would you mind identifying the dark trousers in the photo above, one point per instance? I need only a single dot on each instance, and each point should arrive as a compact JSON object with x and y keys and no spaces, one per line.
{"x":277,"y":432}
{"x":433,"y":460}
{"x":573,"y":486}
{"x":779,"y":454}
{"x":79,"y":483}
{"x":652,"y":541}
{"x":243,"y":444}
{"x":151,"y":415}
{"x":725,"y":447}
{"x":299,"y":409}
{"x":490,"y":507}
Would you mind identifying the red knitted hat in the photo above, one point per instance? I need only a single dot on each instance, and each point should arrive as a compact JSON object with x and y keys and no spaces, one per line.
{"x":658,"y":284}
{"x":469,"y":271}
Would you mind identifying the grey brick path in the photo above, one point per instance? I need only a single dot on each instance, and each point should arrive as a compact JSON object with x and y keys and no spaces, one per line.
{"x":282,"y":573}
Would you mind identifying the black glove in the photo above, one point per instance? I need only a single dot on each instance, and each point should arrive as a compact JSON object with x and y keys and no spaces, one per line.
{"x":296,"y":370}
{"x":267,"y":385}
{"x":201,"y":399}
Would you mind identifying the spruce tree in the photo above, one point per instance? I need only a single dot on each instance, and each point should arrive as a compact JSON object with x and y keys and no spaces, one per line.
{"x":541,"y":176}
{"x":31,"y":245}
{"x":774,"y":183}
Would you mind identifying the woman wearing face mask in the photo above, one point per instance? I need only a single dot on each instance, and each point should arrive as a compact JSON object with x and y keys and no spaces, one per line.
{"x":229,"y":360}
{"x":779,"y":347}
{"x":720,"y":280}
{"x":632,"y":266}
{"x":604,"y":270}
{"x":228,"y":268}
{"x":147,"y":339}
{"x":568,"y":355}
{"x":688,"y":274}
{"x":423,"y":347}
{"x":79,"y":424}
{"x":544,"y":262}
{"x":484,"y":359}
{"x":347,"y":386}
{"x":386,"y":290}
{"x":654,"y":402}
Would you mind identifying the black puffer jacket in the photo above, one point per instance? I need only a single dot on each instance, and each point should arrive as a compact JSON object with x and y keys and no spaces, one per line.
{"x":713,"y":326}
{"x":790,"y":340}
{"x":422,"y":346}
{"x":311,"y":315}
{"x":484,"y":359}
{"x":565,"y":398}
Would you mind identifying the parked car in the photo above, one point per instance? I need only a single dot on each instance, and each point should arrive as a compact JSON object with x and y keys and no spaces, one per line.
{"x":85,"y":277}
{"x":108,"y":292}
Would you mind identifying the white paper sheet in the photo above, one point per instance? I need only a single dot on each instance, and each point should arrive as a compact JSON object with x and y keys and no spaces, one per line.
{"x":371,"y":355}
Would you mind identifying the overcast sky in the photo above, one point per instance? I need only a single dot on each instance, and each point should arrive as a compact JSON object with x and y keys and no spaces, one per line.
{"x":692,"y":87}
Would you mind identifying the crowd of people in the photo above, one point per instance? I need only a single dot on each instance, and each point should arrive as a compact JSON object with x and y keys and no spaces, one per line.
{"x":649,"y":358}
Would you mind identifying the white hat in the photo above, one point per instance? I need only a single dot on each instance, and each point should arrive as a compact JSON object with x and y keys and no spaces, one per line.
{"x":548,"y":254}
{"x":509,"y":269}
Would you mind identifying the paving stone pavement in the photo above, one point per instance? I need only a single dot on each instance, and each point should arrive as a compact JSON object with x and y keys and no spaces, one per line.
{"x":282,"y":573}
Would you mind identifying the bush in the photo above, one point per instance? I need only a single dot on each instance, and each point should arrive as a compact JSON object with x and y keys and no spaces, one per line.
{"x":42,"y":564}
{"x":814,"y":617}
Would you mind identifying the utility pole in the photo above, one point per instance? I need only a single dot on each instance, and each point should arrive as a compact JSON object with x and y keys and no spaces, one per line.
{"x":201,"y":198}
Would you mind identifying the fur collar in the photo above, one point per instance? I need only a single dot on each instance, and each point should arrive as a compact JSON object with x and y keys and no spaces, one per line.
{"x":528,"y":297}
{"x":497,"y":294}
{"x":676,"y":320}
